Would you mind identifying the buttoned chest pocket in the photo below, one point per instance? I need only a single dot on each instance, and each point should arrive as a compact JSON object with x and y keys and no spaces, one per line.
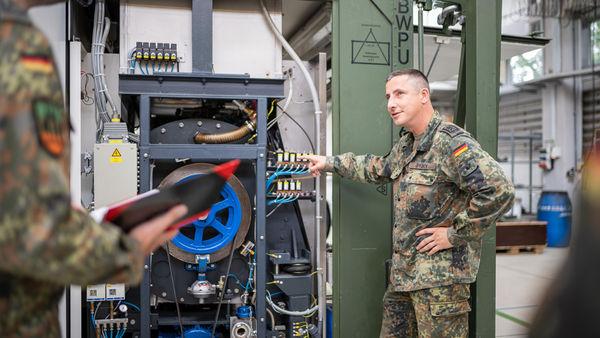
{"x":420,"y":193}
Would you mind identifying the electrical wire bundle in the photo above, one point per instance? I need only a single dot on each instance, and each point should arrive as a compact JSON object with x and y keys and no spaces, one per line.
{"x":101,"y":95}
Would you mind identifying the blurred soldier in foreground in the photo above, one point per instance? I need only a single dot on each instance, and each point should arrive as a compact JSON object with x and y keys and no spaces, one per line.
{"x":46,"y":244}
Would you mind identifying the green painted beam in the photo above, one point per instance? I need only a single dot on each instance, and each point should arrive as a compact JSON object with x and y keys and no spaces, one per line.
{"x":367,"y":44}
{"x":481,"y":82}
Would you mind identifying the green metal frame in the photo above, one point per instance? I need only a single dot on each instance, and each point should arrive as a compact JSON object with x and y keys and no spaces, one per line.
{"x":366,"y":47}
{"x":477,"y":110}
{"x":361,"y":215}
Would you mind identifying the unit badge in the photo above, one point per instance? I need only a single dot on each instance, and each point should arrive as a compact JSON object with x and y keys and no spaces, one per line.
{"x":51,"y":126}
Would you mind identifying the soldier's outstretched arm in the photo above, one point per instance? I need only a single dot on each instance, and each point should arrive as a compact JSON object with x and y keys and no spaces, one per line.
{"x":41,"y":236}
{"x":492,"y":193}
{"x":366,"y":168}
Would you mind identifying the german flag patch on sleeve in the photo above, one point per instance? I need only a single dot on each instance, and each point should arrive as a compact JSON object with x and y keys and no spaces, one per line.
{"x":37,"y":63}
{"x":460,"y":150}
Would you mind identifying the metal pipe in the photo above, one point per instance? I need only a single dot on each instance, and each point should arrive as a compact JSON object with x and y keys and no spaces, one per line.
{"x":531,"y":174}
{"x":227,"y":137}
{"x":318,"y":114}
{"x":512,"y":156}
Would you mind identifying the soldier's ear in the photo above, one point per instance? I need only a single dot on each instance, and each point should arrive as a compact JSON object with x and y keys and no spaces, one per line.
{"x":424,"y":95}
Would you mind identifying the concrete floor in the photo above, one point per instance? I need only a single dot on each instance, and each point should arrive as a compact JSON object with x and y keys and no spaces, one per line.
{"x":521,"y":281}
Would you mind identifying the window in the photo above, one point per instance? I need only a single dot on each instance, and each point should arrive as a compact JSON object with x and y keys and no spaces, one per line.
{"x":527,"y":66}
{"x":595,"y":34}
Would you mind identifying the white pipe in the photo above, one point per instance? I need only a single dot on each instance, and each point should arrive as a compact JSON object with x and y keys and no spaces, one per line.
{"x":295,"y":57}
{"x":318,"y":112}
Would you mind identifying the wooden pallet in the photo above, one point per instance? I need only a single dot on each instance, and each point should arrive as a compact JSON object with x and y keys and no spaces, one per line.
{"x":516,"y":249}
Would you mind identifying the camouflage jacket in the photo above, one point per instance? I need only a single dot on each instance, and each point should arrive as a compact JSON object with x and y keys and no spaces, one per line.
{"x":445,"y":180}
{"x":45,"y":244}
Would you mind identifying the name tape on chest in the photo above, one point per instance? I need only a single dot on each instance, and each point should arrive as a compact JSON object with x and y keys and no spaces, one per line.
{"x":422,"y":166}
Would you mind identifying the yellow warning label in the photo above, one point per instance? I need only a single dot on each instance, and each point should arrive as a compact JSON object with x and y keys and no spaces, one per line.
{"x":116,"y":156}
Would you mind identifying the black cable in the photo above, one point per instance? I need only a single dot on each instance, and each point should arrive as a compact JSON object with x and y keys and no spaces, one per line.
{"x":433,"y":60}
{"x":312,"y":147}
{"x":224,"y":287}
{"x":174,"y":292}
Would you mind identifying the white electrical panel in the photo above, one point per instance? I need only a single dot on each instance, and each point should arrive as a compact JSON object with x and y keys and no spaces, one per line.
{"x":96,"y":292}
{"x":115,"y":291}
{"x":242,"y":40}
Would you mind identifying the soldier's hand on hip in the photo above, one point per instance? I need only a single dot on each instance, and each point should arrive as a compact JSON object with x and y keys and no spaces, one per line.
{"x":436,"y":240}
{"x":152,"y":233}
{"x":316,"y":163}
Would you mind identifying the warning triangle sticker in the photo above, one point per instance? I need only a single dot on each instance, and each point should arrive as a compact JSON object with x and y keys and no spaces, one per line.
{"x":370,"y":51}
{"x":116,"y":153}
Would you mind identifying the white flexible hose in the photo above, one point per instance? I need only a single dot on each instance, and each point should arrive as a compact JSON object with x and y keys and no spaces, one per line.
{"x":295,"y":57}
{"x":291,"y":313}
{"x":103,"y":77}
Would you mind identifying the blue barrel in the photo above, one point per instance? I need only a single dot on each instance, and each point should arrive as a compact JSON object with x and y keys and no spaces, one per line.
{"x":554,"y":207}
{"x":329,"y":319}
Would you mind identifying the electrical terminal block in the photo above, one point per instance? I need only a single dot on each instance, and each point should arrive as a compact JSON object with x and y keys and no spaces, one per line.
{"x":159,"y":51}
{"x":139,"y":51}
{"x":290,"y":158}
{"x":152,"y":50}
{"x":146,"y":50}
{"x":289,"y":186}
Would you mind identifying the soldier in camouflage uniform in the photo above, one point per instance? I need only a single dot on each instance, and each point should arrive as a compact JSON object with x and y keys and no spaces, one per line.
{"x":447,"y":191}
{"x":44,"y":242}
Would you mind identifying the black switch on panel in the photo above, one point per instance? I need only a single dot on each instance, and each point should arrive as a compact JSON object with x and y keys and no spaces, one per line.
{"x":167,"y":51}
{"x":152,"y":50}
{"x":139,"y":52}
{"x":174,"y":52}
{"x":159,"y":51}
{"x":146,"y":50}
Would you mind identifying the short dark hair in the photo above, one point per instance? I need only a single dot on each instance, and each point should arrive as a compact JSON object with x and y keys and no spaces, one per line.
{"x":413,"y":74}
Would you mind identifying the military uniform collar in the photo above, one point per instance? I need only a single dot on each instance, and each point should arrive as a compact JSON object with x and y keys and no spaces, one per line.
{"x":9,"y":10}
{"x":427,"y":138}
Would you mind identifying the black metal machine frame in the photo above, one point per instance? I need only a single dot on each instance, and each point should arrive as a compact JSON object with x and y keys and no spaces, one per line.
{"x":206,"y":86}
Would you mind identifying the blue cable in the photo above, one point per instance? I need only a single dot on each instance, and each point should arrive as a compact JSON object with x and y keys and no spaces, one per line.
{"x":147,"y":72}
{"x":141,"y":70}
{"x":172,"y":67}
{"x":132,"y":305}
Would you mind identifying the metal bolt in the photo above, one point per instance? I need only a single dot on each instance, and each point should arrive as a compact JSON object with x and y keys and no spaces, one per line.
{"x":262,"y":319}
{"x":146,"y":266}
{"x":163,"y":130}
{"x":132,"y":322}
{"x":218,"y":126}
{"x":261,"y":155}
{"x":146,"y":155}
{"x":262,"y":237}
{"x":181,"y":299}
{"x":181,"y":124}
{"x":164,"y":294}
{"x":199,"y":123}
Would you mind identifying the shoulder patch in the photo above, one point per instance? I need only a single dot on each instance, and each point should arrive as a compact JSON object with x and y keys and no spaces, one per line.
{"x":452,"y":130}
{"x":51,"y":126}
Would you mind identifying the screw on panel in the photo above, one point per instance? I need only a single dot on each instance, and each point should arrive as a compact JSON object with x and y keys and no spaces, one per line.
{"x":164,"y":294}
{"x":262,"y":319}
{"x":181,"y":299}
{"x":181,"y":124}
{"x":262,"y":237}
{"x":146,"y":266}
{"x":163,"y":130}
{"x":218,"y":126}
{"x":146,"y":156}
{"x":261,"y":155}
{"x":199,"y":123}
